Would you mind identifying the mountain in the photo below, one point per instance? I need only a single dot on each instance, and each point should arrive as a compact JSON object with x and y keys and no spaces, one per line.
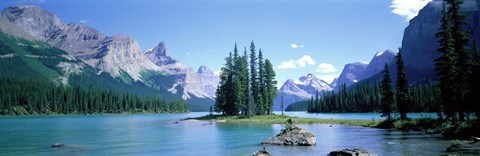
{"x":39,"y":60}
{"x":300,"y":89}
{"x":111,"y":54}
{"x":419,"y":44}
{"x":351,"y":73}
{"x":209,"y":80}
{"x":334,"y":82}
{"x":358,"y":71}
{"x":118,"y":56}
{"x":159,"y":56}
{"x":377,"y":63}
{"x":201,"y":84}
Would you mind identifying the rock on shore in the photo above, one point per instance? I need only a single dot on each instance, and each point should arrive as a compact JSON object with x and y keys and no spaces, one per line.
{"x":352,"y":152}
{"x":466,"y":147}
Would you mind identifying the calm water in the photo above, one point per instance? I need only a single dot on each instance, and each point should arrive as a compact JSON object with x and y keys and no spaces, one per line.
{"x":161,"y":135}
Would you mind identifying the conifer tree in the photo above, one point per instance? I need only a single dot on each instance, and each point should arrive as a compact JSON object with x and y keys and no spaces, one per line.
{"x":474,"y":94}
{"x":460,"y":41}
{"x":261,"y":105}
{"x":387,"y":94}
{"x":254,"y":78}
{"x":446,"y":66}
{"x":246,"y":84}
{"x":402,"y":87}
{"x":238,"y":80}
{"x":270,"y":85}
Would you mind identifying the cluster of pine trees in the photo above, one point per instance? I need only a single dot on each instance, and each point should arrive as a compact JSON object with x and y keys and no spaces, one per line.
{"x":31,"y":96}
{"x":366,"y":97}
{"x":458,"y":67}
{"x":247,"y":85}
{"x":379,"y":96}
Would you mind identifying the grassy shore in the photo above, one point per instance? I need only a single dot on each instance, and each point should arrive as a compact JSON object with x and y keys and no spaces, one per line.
{"x":460,"y":130}
{"x":280,"y":119}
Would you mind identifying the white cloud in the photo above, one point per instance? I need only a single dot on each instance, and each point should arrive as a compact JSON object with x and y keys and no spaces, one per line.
{"x":326,"y":68}
{"x":290,"y":64}
{"x":408,"y":8}
{"x":294,"y":46}
{"x":301,"y":62}
{"x":85,"y":21}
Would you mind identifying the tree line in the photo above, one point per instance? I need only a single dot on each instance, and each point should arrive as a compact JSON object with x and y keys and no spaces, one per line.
{"x":458,"y":66}
{"x":31,"y":96}
{"x":247,"y":84}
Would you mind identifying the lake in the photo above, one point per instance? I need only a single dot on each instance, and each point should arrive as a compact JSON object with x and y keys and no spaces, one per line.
{"x":163,"y":135}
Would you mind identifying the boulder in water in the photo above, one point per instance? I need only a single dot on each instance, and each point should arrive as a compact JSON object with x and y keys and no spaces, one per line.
{"x":57,"y":145}
{"x":263,"y":152}
{"x":292,"y":135}
{"x":352,"y":152}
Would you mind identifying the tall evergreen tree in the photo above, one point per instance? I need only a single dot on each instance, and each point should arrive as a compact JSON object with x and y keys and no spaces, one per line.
{"x":238,"y":80}
{"x":461,"y":39}
{"x":446,"y":66}
{"x":254,"y":77}
{"x":402,"y":87}
{"x":246,"y":82}
{"x":261,"y":105}
{"x":474,"y":94}
{"x":270,"y":85}
{"x":387,"y":94}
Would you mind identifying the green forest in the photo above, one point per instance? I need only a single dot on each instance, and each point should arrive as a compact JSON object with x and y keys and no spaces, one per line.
{"x":31,"y":96}
{"x":246,"y":92}
{"x":454,"y":94}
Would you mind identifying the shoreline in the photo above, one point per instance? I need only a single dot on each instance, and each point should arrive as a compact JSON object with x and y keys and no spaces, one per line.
{"x":280,"y":119}
{"x":462,"y":130}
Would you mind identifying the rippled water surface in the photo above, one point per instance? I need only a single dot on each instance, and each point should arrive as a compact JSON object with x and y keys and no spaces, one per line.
{"x":167,"y":135}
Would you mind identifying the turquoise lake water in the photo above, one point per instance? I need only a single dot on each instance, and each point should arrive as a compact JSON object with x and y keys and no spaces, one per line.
{"x":165,"y":134}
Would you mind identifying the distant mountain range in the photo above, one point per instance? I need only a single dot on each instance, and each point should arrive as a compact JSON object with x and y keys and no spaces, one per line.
{"x":306,"y":86}
{"x":116,"y":56}
{"x":419,"y":48}
{"x":300,"y":89}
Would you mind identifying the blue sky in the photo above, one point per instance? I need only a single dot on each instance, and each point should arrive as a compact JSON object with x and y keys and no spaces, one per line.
{"x":298,"y":36}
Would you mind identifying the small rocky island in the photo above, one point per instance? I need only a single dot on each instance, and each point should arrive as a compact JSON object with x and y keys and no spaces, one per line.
{"x":292,"y":135}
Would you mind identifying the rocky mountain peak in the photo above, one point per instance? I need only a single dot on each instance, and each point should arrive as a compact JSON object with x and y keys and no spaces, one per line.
{"x":385,"y":53}
{"x":159,"y":56}
{"x":204,"y":70}
{"x":300,"y":89}
{"x":377,"y":63}
{"x":351,"y":73}
{"x":33,"y":20}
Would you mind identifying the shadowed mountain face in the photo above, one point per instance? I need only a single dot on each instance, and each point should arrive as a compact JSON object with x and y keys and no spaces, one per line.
{"x":358,"y":71}
{"x":119,"y":56}
{"x":419,"y":43}
{"x":300,"y":89}
{"x":351,"y":73}
{"x":377,"y":63}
